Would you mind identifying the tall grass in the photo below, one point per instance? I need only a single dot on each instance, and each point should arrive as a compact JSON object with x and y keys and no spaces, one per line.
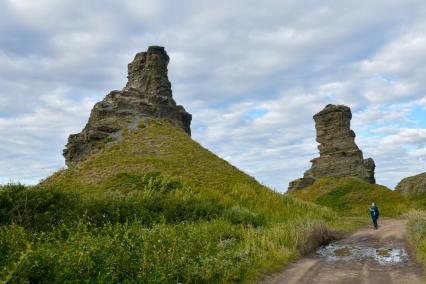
{"x":418,"y":199}
{"x":158,"y":230}
{"x":417,"y":234}
{"x":204,"y":252}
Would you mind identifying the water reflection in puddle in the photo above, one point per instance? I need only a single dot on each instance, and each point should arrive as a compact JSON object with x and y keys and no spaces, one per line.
{"x":340,"y":252}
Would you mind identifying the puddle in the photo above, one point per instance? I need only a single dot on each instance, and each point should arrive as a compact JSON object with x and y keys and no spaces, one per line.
{"x":340,"y":252}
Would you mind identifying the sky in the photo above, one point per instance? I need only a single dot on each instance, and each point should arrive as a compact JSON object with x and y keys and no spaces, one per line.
{"x":252,"y":73}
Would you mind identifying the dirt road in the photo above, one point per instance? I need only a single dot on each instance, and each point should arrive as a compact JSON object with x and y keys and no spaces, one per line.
{"x":368,"y":256}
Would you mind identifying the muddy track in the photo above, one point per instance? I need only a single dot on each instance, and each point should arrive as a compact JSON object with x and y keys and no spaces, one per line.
{"x":367,"y":256}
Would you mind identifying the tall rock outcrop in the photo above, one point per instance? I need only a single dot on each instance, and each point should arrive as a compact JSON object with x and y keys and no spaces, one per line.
{"x":339,"y":155}
{"x":147,"y":94}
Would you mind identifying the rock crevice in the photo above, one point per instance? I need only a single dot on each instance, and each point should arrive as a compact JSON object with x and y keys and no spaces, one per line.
{"x":339,"y":155}
{"x":147,"y":94}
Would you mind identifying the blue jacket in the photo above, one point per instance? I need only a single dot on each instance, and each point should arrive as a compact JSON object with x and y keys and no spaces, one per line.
{"x":374,"y":212}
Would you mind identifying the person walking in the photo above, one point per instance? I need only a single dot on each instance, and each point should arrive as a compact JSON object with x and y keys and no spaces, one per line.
{"x":374,"y":212}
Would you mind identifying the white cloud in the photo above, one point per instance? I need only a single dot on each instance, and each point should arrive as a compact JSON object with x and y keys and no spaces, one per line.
{"x":252,"y":75}
{"x":31,"y":143}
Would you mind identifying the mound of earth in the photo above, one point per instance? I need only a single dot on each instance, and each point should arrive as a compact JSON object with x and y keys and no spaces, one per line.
{"x":353,"y":196}
{"x":154,"y":146}
{"x":412,"y":185}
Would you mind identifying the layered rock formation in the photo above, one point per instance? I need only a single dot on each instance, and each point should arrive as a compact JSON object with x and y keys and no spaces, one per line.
{"x":147,"y":94}
{"x":339,"y":155}
{"x":413,"y":184}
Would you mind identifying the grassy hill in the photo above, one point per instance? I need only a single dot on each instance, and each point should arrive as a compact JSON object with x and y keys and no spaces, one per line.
{"x":412,"y":185}
{"x":352,"y":197}
{"x":418,"y":199}
{"x":155,"y":207}
{"x":414,"y":188}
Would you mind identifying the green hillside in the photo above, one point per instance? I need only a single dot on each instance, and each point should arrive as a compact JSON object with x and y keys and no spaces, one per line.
{"x":155,"y":207}
{"x":414,"y":188}
{"x":352,"y":197}
{"x":412,"y":185}
{"x":418,"y":199}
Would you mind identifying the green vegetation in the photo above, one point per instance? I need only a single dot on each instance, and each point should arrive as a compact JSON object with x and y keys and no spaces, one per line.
{"x":204,"y":251}
{"x":417,"y":234}
{"x":412,"y":184}
{"x":155,"y":207}
{"x":418,"y":199}
{"x":351,"y":197}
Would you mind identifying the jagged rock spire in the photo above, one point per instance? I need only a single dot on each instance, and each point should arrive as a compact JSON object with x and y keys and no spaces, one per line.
{"x":147,"y":94}
{"x":148,"y":73}
{"x":339,"y":155}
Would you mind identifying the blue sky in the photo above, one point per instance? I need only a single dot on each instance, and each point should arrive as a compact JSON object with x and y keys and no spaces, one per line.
{"x":251,"y":73}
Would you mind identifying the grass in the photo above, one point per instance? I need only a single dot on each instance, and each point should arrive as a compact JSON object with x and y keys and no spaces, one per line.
{"x":202,"y":252}
{"x":412,"y":184}
{"x":155,"y":207}
{"x":352,"y":197}
{"x":418,"y":199}
{"x":417,"y":235}
{"x":161,"y":232}
{"x":156,"y":148}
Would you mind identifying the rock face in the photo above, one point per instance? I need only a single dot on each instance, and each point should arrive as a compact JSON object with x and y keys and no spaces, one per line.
{"x":339,"y":155}
{"x":147,"y":94}
{"x":413,"y":184}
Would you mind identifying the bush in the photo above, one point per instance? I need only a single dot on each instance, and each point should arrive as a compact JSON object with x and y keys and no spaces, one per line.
{"x":149,"y":198}
{"x":36,"y":208}
{"x":200,"y":252}
{"x":418,"y":199}
{"x":13,"y":241}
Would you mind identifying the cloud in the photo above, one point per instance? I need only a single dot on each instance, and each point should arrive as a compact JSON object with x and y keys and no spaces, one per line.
{"x":31,"y":143}
{"x":252,"y":75}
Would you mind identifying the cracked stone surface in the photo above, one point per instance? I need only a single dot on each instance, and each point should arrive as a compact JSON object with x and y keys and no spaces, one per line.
{"x":339,"y":155}
{"x":147,"y":94}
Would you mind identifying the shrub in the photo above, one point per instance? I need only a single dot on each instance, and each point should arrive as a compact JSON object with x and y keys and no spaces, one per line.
{"x":36,"y":208}
{"x":149,"y":198}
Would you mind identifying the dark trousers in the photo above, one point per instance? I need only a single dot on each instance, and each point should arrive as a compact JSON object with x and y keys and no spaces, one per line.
{"x":375,"y":223}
